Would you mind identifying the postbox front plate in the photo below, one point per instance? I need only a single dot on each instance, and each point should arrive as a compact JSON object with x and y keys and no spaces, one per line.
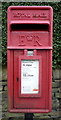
{"x":30,"y":59}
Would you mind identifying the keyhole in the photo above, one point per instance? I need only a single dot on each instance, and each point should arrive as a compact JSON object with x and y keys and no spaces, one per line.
{"x":17,"y":79}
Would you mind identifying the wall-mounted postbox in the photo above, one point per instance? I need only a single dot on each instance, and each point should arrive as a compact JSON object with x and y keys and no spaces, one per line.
{"x":30,"y":58}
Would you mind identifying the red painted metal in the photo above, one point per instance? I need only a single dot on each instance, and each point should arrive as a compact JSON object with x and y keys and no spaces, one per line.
{"x":29,"y":29}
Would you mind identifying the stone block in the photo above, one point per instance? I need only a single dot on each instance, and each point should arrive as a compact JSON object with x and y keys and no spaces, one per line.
{"x":53,"y":84}
{"x":0,"y":96}
{"x":59,"y":118}
{"x":4,"y":83}
{"x":4,"y":119}
{"x":1,"y":88}
{"x":57,"y":74}
{"x":13,"y":118}
{"x":52,"y":94}
{"x":56,"y":84}
{"x":15,"y":115}
{"x":54,"y":90}
{"x":5,"y":88}
{"x":55,"y":104}
{"x":1,"y":117}
{"x":0,"y":72}
{"x":59,"y":90}
{"x":4,"y":95}
{"x":4,"y":106}
{"x":0,"y":108}
{"x":54,"y":114}
{"x":60,"y":73}
{"x":41,"y":116}
{"x":4,"y":73}
{"x":42,"y":119}
{"x":58,"y":95}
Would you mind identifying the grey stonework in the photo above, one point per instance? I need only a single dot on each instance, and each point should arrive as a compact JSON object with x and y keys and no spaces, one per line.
{"x":56,"y":94}
{"x":56,"y":100}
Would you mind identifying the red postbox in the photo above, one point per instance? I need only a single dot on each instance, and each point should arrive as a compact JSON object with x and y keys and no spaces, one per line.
{"x":30,"y":59}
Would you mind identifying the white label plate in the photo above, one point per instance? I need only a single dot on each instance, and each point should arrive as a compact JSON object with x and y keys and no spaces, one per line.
{"x":29,"y":76}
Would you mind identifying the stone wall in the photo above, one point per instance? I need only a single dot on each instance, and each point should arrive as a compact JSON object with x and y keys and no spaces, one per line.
{"x":56,"y":96}
{"x":0,"y":61}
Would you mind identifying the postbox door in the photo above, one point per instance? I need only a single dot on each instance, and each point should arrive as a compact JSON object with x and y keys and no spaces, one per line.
{"x":38,"y":100}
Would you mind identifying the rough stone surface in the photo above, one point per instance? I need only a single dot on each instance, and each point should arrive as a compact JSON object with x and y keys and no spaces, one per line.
{"x":56,"y":100}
